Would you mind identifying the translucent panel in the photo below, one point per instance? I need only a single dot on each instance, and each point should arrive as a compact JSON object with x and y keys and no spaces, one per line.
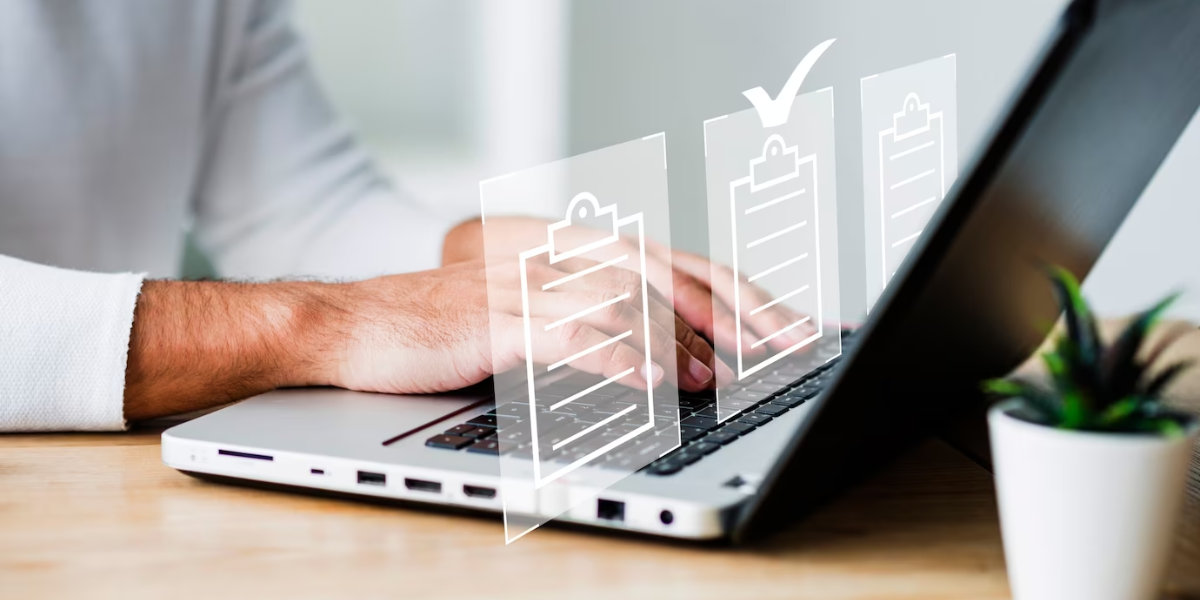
{"x":910,"y":159}
{"x":772,"y":205}
{"x":583,"y":334}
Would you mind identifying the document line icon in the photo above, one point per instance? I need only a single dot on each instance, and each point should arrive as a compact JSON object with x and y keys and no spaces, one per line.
{"x":635,"y":412}
{"x":912,"y":178}
{"x":776,"y":240}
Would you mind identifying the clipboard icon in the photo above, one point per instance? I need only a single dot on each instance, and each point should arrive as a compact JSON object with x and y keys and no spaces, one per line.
{"x":634,"y":415}
{"x":912,"y":178}
{"x":775,"y":224}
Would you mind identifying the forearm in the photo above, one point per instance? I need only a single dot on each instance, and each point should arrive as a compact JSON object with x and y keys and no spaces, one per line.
{"x":200,"y":344}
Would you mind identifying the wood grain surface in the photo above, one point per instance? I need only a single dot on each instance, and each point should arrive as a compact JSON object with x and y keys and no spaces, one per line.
{"x":99,"y":516}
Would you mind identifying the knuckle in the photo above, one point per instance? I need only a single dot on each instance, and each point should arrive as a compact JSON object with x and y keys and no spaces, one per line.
{"x":571,"y":334}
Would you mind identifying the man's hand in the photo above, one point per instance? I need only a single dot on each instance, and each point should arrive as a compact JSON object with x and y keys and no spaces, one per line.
{"x":196,"y":345}
{"x":704,"y":292}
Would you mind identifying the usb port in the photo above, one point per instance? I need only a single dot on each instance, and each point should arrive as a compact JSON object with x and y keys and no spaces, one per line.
{"x":366,"y":478}
{"x":474,"y":491}
{"x":422,"y":486}
{"x":317,"y":471}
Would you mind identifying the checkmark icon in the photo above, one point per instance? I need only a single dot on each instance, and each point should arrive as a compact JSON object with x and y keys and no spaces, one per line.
{"x":774,"y":112}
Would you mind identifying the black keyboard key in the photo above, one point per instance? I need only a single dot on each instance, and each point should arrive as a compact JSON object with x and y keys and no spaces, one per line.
{"x":448,"y":442}
{"x":704,"y":423}
{"x":704,"y":447}
{"x":788,"y":401}
{"x":749,"y":395}
{"x":766,"y":388}
{"x":719,"y":437}
{"x":710,"y":412}
{"x":518,"y":410}
{"x":738,"y":428}
{"x":460,"y":429}
{"x":773,"y":410}
{"x":736,"y":406}
{"x":687,"y":434}
{"x":687,"y":456}
{"x":483,"y":421}
{"x":668,"y":410}
{"x":479,"y":433}
{"x":485,"y":447}
{"x":514,"y":436}
{"x":754,"y":418}
{"x":694,"y":403}
{"x":666,"y":467}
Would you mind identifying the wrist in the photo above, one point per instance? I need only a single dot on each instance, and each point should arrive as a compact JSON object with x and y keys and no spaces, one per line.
{"x":315,"y":322}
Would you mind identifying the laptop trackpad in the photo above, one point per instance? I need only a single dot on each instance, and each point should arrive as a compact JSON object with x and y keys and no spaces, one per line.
{"x":325,"y":420}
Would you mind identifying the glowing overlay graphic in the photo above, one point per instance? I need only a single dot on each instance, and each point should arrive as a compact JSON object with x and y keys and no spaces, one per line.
{"x":910,"y":158}
{"x":772,"y":203}
{"x":638,"y":408}
{"x":574,"y":318}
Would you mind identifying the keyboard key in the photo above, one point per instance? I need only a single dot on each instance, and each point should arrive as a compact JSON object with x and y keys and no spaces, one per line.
{"x":460,"y":429}
{"x":719,"y":437}
{"x":788,"y":401}
{"x":704,"y":423}
{"x":704,"y":447}
{"x":738,"y":428}
{"x":478,"y":433}
{"x":687,"y":434}
{"x":669,"y":410}
{"x":766,"y":388}
{"x":666,"y":467}
{"x":515,"y":436}
{"x":754,"y":418}
{"x":746,"y":395}
{"x":485,"y":447}
{"x":773,"y":410}
{"x":694,"y":403}
{"x":483,"y":421}
{"x":710,"y":412}
{"x":448,"y":442}
{"x":687,"y":456}
{"x":732,"y":405}
{"x":513,"y":410}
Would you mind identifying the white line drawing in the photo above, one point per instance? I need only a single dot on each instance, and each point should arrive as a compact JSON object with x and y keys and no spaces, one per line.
{"x":584,"y":206}
{"x":772,"y":208}
{"x":775,"y":111}
{"x":912,"y":178}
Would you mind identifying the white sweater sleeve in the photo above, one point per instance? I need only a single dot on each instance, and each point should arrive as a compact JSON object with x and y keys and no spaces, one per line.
{"x":64,"y":341}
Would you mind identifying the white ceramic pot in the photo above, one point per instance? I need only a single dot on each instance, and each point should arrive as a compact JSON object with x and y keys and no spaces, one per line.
{"x":1087,"y":516}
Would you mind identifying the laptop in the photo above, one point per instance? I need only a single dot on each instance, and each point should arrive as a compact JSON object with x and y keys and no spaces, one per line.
{"x":1097,"y":113}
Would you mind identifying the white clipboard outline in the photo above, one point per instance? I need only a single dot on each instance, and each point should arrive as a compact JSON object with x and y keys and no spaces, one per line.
{"x":555,"y":257}
{"x":914,"y":101}
{"x":754,"y":187}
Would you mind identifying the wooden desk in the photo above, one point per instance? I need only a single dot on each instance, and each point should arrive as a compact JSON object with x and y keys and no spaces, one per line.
{"x":91,"y":515}
{"x":98,"y":515}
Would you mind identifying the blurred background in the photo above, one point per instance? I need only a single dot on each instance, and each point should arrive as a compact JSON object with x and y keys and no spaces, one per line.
{"x":448,"y":92}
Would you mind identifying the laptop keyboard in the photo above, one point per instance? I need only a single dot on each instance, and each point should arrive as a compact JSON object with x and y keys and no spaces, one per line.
{"x":759,"y":400}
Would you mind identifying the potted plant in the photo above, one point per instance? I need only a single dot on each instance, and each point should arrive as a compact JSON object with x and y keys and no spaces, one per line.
{"x":1090,"y":471}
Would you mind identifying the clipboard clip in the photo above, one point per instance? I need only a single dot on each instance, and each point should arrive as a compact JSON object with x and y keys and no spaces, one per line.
{"x":596,"y":227}
{"x":913,"y":117}
{"x":777,"y":163}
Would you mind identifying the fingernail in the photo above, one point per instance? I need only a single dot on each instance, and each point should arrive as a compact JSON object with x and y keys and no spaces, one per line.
{"x":724,"y":373}
{"x":655,"y":376}
{"x":699,"y":372}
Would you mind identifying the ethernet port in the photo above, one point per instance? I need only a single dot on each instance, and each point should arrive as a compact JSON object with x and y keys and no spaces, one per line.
{"x":610,"y":510}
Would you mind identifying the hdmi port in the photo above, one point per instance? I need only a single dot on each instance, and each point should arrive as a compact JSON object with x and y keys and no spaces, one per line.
{"x":422,"y":486}
{"x":474,"y":491}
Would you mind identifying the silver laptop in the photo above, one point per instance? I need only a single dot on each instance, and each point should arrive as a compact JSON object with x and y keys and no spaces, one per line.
{"x":957,"y":310}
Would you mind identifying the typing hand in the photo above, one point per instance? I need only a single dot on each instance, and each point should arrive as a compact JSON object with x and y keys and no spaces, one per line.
{"x":445,"y":329}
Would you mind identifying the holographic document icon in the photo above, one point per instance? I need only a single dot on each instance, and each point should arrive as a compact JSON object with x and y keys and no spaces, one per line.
{"x":632,"y":411}
{"x":912,"y":178}
{"x":775,"y":223}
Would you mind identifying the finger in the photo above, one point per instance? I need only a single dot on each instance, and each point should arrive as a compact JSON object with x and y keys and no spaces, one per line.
{"x":615,"y":316}
{"x":701,"y":353}
{"x":587,"y":349}
{"x":695,"y":366}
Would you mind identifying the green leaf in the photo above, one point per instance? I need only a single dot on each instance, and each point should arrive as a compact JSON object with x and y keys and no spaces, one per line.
{"x":1155,"y":386}
{"x":1083,"y":364}
{"x":1120,"y":411}
{"x":1039,"y":401}
{"x":1121,"y":369}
